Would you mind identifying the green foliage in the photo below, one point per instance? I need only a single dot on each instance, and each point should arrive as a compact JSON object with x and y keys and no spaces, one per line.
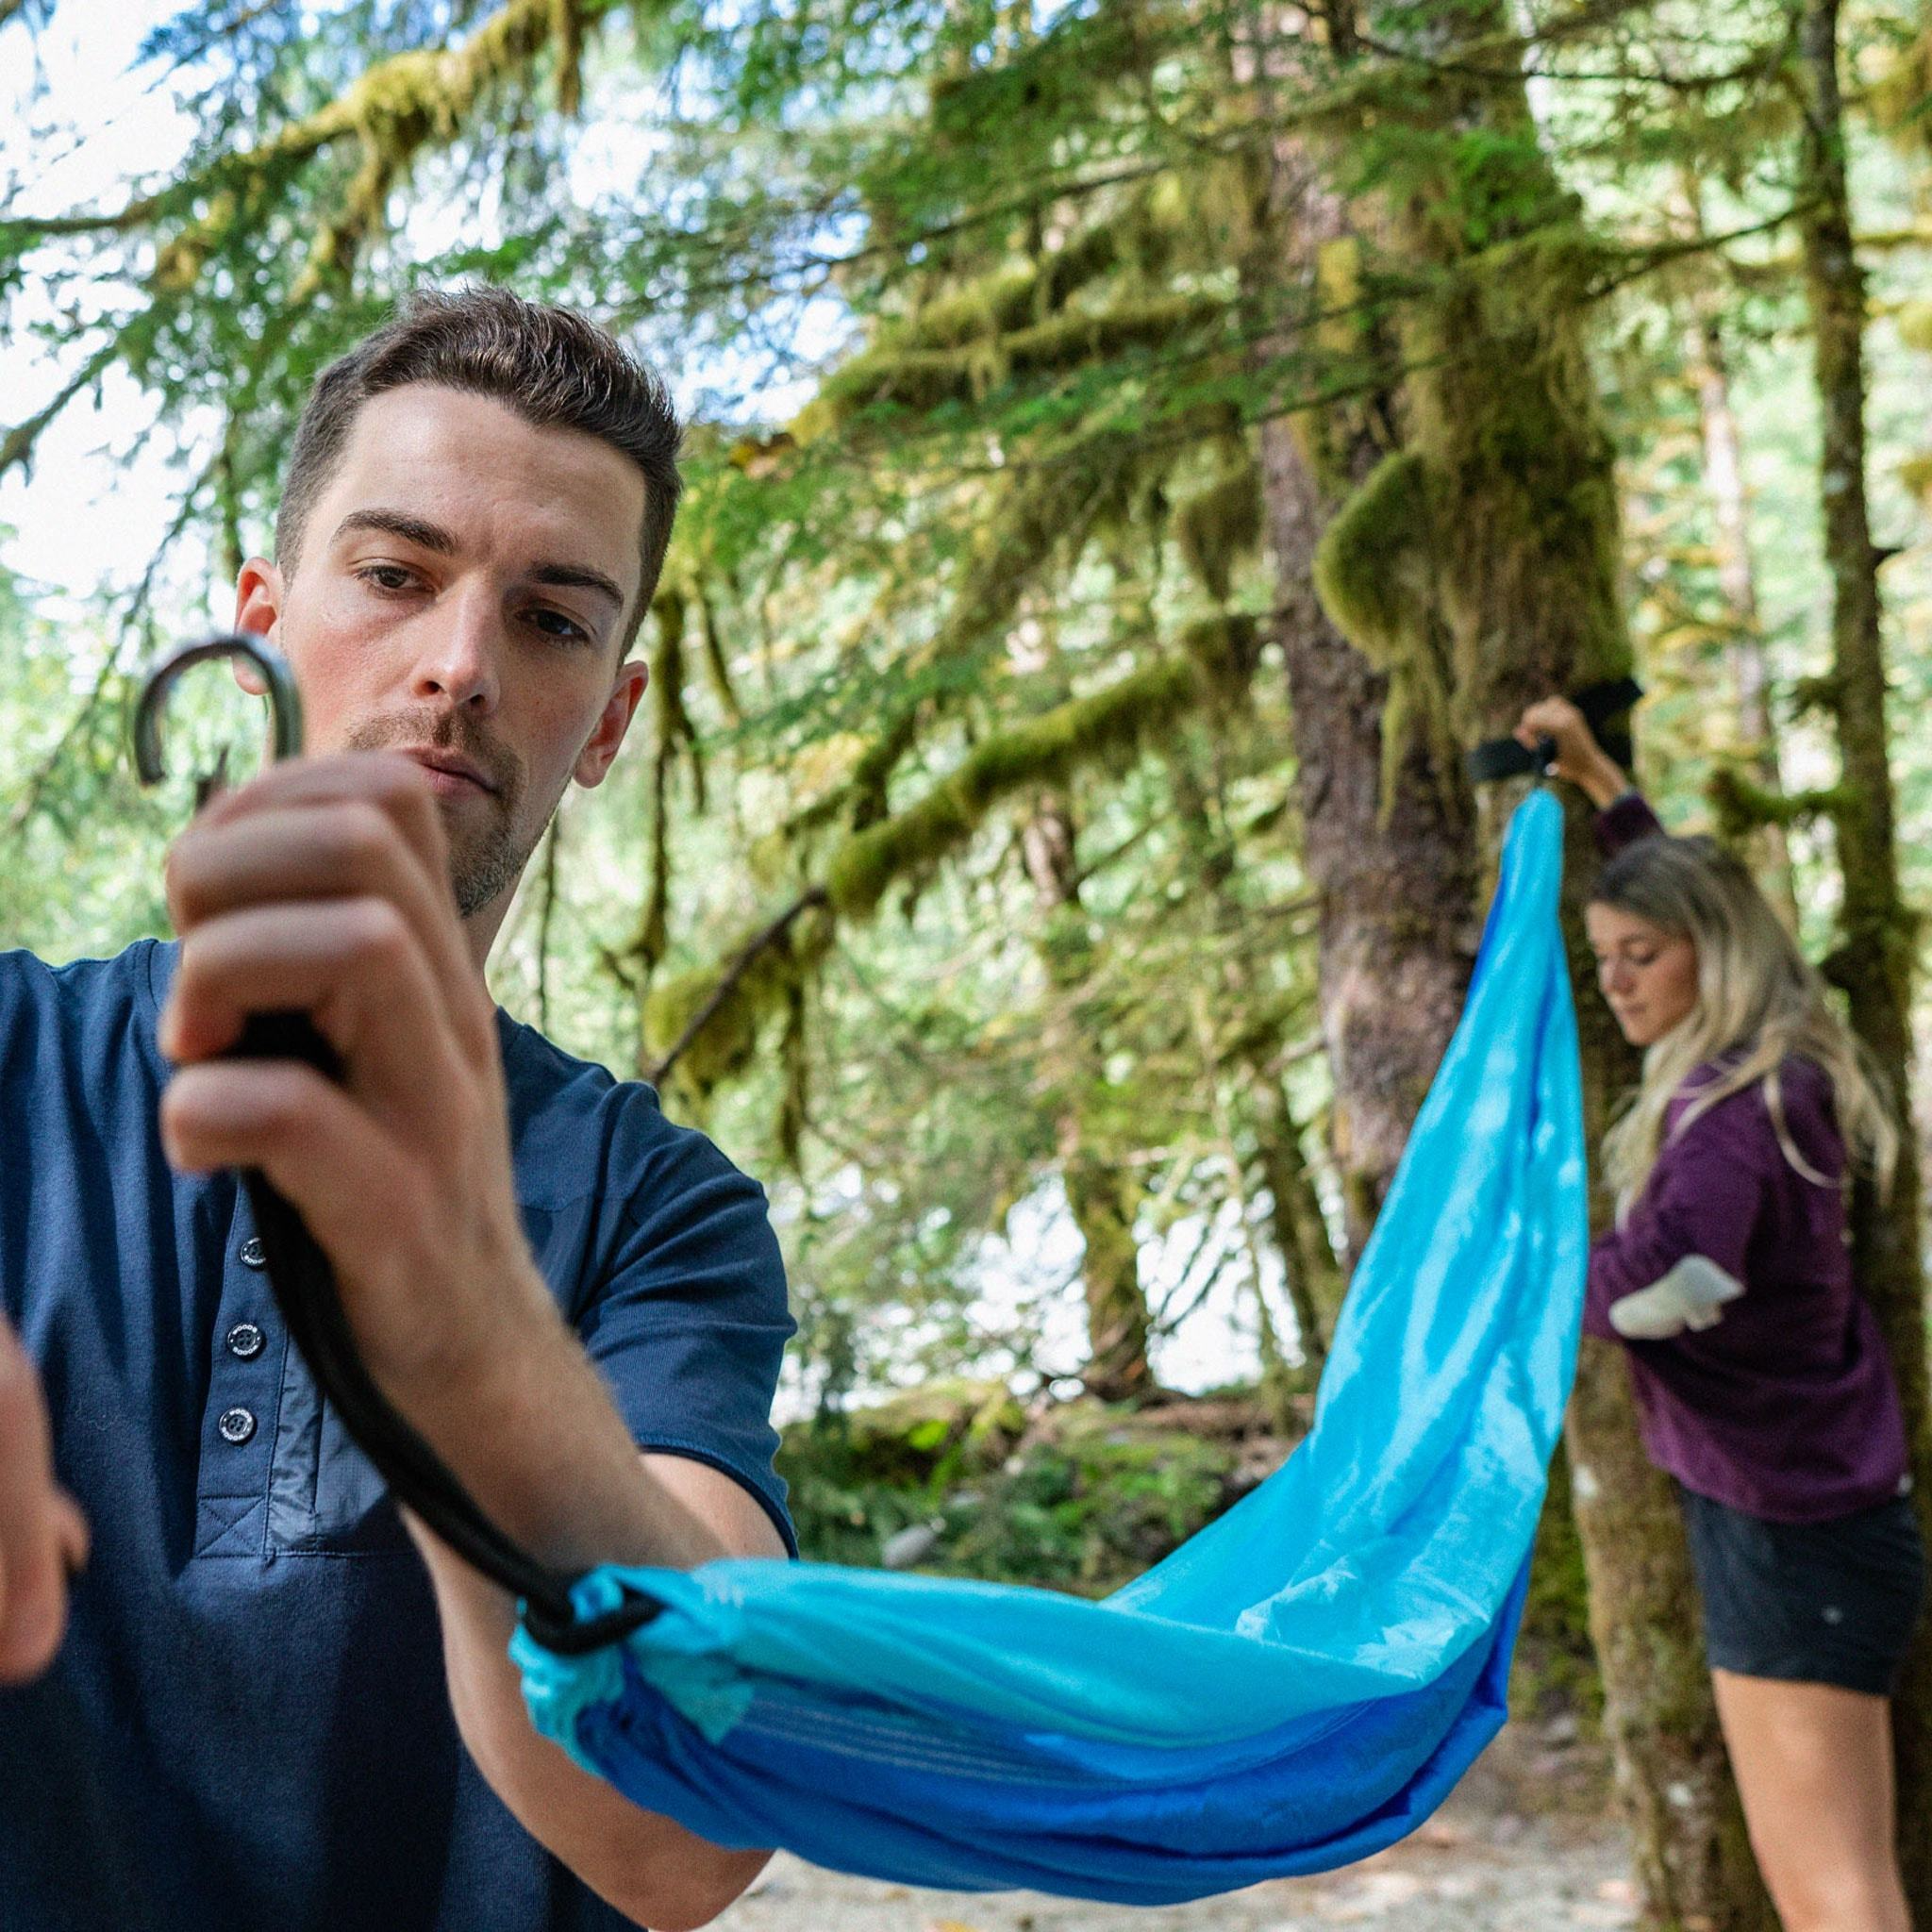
{"x":1084,"y":1500}
{"x":1094,"y":1510}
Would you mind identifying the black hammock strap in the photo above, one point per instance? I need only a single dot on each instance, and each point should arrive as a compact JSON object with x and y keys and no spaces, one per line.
{"x":1504,"y":758}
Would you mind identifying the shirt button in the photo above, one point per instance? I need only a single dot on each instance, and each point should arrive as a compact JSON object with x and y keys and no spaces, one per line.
{"x":252,"y":1253}
{"x":235,"y":1425}
{"x":246,"y":1341}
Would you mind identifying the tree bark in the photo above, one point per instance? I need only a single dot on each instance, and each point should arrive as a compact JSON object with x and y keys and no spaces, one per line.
{"x":1396,"y":874}
{"x":1100,"y":1195}
{"x":1873,"y":962}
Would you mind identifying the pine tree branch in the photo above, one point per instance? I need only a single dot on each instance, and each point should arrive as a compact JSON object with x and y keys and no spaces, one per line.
{"x":400,"y":104}
{"x":17,"y":446}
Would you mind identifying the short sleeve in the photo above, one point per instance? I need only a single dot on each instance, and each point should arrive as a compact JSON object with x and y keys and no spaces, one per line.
{"x":689,"y":1321}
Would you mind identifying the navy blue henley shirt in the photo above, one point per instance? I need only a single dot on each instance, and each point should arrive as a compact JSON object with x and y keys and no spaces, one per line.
{"x":248,"y":1724}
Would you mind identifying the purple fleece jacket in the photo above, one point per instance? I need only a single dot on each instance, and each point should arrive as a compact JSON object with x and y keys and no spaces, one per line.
{"x":1786,"y":1407}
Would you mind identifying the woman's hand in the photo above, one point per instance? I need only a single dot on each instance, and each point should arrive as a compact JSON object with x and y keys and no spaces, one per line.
{"x":1579,"y":757}
{"x":43,"y":1535}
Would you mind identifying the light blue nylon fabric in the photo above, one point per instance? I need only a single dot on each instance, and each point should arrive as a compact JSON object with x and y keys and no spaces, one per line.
{"x":1296,"y":1685}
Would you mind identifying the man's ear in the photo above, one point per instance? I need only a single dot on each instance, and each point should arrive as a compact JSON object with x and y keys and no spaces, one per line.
{"x":626,"y":693}
{"x":258,"y":592}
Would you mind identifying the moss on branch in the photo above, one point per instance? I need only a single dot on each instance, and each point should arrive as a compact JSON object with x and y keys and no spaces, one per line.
{"x":1044,"y":750}
{"x":403,"y":104}
{"x":1013,"y":297}
{"x":924,"y":379}
{"x":760,"y":979}
{"x":1742,"y":805}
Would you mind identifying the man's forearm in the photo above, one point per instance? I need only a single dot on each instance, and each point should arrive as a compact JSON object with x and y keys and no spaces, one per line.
{"x":545,"y":1454}
{"x":649,"y":1867}
{"x":528,"y":1425}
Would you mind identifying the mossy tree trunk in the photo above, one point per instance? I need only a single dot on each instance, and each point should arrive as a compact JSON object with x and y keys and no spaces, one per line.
{"x":1478,"y":566}
{"x":1873,"y":960}
{"x":1101,"y":1195}
{"x":1391,"y":864}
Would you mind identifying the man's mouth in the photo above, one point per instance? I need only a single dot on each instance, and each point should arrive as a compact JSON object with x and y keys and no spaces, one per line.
{"x":450,"y":773}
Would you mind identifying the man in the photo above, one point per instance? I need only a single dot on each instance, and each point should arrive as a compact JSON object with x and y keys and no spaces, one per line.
{"x":254,"y":1718}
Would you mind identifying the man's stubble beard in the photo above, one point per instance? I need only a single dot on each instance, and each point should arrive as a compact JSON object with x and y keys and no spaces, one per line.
{"x":490,"y":860}
{"x":491,"y":865}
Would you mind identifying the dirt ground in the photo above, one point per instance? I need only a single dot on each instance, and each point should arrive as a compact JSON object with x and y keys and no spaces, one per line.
{"x":1525,"y":1844}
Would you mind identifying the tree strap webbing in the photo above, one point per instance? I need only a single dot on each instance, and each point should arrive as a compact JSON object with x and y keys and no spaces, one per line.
{"x":1504,"y":758}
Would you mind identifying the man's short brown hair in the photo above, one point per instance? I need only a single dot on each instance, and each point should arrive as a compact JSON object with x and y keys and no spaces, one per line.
{"x":551,"y":366}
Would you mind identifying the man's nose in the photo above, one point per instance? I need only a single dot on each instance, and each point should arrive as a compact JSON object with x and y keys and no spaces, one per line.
{"x":460,"y":661}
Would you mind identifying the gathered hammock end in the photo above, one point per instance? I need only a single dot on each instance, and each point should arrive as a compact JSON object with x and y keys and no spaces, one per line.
{"x":1297,"y":1686}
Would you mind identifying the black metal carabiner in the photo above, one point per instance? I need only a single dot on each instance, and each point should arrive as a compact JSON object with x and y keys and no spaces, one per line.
{"x":157,"y":683}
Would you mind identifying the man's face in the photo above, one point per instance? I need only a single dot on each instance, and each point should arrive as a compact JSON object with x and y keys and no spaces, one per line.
{"x":462,"y":584}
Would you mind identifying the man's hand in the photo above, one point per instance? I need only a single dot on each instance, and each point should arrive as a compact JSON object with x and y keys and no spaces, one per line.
{"x":323,"y":888}
{"x":42,"y":1536}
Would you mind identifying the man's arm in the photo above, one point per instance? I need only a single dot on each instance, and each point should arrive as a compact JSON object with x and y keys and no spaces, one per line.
{"x":648,"y":1867}
{"x":323,"y":888}
{"x":42,"y":1534}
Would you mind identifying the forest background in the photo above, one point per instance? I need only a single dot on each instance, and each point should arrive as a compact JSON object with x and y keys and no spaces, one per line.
{"x":1136,"y":448}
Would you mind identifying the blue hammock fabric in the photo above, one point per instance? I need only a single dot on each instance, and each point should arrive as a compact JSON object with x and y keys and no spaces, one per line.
{"x":1297,"y":1686}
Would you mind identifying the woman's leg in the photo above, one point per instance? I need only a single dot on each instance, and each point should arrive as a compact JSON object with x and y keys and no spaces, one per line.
{"x":1813,"y":1766}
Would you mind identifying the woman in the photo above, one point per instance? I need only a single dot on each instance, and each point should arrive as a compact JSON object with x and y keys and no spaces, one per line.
{"x":1762,"y":1385}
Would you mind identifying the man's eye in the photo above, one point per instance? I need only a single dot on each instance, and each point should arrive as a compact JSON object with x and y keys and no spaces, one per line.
{"x":553,"y":623}
{"x":384,"y":576}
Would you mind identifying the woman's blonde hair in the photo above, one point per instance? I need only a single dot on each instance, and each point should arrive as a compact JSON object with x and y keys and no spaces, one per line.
{"x":1758,"y":1003}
